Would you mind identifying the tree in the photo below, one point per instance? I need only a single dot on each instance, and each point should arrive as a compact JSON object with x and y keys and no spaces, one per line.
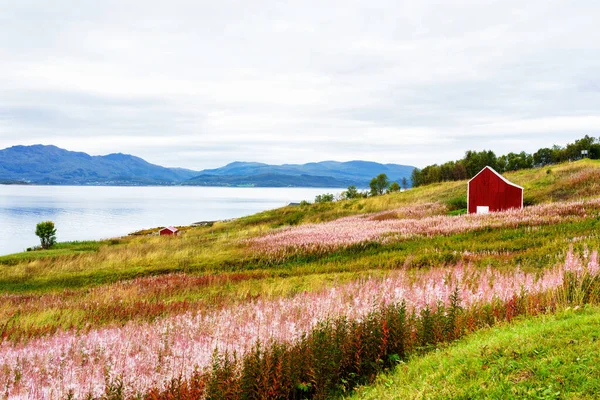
{"x":595,"y":151}
{"x":351,"y":193}
{"x":47,"y":233}
{"x":379,"y":184}
{"x":404,"y":183}
{"x":416,"y":177}
{"x":394,"y":187}
{"x":543,"y":157}
{"x":475,"y":161}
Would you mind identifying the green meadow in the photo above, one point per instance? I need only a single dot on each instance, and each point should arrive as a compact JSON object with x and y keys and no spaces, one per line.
{"x":546,"y":357}
{"x":80,"y":286}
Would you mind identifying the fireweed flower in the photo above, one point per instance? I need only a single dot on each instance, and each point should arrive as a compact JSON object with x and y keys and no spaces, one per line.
{"x":315,"y":238}
{"x":146,"y":355}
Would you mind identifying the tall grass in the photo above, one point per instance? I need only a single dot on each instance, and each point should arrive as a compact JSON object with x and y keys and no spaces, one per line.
{"x":144,"y":355}
{"x":144,"y":315}
{"x":28,"y":315}
{"x":341,"y":353}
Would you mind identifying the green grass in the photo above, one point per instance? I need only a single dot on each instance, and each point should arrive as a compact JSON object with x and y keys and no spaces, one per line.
{"x":547,"y":357}
{"x":83,"y":303}
{"x":218,"y":250}
{"x":75,"y":285}
{"x":529,"y":248}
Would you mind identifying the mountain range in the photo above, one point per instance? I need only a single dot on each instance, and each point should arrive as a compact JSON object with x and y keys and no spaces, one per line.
{"x":40,"y":164}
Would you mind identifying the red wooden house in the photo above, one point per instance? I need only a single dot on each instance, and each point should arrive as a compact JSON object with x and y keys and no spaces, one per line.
{"x":489,"y":191}
{"x":168,"y":231}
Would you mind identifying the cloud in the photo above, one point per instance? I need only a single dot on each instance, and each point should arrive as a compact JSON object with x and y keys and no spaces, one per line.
{"x":198,"y":84}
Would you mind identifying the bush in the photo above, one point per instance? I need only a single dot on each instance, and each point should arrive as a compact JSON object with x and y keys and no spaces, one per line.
{"x":324,"y":198}
{"x":293,"y":219}
{"x":460,"y":211}
{"x":529,"y":201}
{"x":457,"y":203}
{"x":351,"y":193}
{"x":394,"y":187}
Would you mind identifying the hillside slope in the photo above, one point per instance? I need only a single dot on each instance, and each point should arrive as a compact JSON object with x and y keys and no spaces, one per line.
{"x":167,"y":295}
{"x":568,"y":181}
{"x":548,"y":357}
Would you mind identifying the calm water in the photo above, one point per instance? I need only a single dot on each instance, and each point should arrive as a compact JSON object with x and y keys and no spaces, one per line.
{"x":98,"y":212}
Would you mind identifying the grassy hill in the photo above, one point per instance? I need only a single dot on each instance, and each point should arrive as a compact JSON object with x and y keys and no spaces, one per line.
{"x":297,"y":255}
{"x":546,"y":357}
{"x":218,"y":249}
{"x":569,"y":181}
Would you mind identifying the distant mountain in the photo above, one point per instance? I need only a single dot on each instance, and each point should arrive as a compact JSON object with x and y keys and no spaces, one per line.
{"x":52,"y":165}
{"x":357,"y":173}
{"x":269,"y":180}
{"x":40,"y":164}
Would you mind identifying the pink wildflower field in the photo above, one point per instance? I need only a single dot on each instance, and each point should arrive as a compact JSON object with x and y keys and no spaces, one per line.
{"x":145,"y":355}
{"x":397,"y":225}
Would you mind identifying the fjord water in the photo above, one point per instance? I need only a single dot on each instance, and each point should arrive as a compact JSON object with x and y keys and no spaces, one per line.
{"x":98,"y":212}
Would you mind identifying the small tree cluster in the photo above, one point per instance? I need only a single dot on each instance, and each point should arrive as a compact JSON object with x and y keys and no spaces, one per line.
{"x":324,"y":198}
{"x":379,"y":184}
{"x":353,"y":193}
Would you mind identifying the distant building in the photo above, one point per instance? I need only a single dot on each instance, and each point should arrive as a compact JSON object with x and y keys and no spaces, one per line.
{"x":168,"y":231}
{"x":489,"y":191}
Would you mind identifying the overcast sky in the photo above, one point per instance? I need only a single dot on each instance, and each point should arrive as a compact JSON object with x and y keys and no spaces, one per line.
{"x":198,"y":84}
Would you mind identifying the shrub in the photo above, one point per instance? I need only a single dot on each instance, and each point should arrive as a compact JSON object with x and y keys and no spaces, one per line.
{"x":529,"y":201}
{"x":457,"y":203}
{"x":458,"y":212}
{"x":394,"y":187}
{"x":324,"y":198}
{"x":351,"y":193}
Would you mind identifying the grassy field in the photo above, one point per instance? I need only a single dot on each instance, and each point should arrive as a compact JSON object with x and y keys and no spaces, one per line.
{"x":47,"y":297}
{"x":131,"y":281}
{"x":72,"y":276}
{"x":546,"y":357}
{"x":220,"y":248}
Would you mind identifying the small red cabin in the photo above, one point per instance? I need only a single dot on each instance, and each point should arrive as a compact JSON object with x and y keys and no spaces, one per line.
{"x":489,"y":191}
{"x":168,"y":231}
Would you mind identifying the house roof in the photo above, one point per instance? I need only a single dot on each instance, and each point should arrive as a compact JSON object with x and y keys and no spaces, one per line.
{"x":500,"y":176}
{"x":170,"y":228}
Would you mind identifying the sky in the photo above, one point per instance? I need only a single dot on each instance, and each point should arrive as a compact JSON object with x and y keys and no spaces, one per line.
{"x":199,"y":84}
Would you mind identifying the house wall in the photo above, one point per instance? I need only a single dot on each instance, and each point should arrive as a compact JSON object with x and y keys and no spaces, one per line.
{"x":488,"y":189}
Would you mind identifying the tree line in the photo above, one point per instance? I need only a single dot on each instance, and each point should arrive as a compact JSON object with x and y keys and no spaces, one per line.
{"x":475,"y":161}
{"x":378,"y":185}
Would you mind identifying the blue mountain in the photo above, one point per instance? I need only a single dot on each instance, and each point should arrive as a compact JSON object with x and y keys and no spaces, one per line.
{"x":52,"y":165}
{"x":41,"y":164}
{"x":357,"y":173}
